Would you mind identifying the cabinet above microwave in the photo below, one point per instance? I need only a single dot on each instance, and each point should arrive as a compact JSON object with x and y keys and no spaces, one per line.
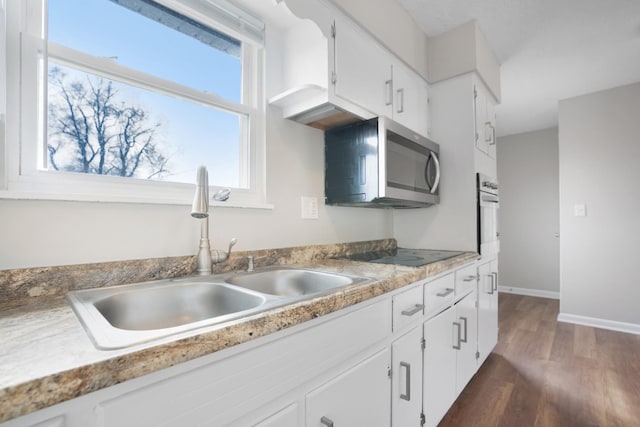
{"x":336,"y":73}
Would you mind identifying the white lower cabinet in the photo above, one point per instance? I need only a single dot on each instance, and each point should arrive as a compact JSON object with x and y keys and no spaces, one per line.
{"x":487,"y":308}
{"x":358,"y":397}
{"x":450,"y":358}
{"x":466,"y":344}
{"x":439,"y":366}
{"x":406,"y":379}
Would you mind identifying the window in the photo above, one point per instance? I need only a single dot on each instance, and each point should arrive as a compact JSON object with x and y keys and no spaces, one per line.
{"x":129,"y":97}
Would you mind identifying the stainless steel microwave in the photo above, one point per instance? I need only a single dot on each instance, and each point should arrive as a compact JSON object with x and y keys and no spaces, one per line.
{"x":380,"y":163}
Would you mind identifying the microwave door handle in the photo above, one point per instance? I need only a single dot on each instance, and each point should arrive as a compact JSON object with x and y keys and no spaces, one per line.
{"x":436,"y":181}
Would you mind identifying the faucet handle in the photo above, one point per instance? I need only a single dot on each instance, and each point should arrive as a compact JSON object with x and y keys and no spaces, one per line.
{"x":219,"y":256}
{"x":231,"y":244}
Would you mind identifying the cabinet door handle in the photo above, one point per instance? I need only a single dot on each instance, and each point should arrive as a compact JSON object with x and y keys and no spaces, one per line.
{"x":388,"y":93}
{"x":495,"y":282}
{"x":457,"y":346}
{"x":464,"y":319}
{"x":400,"y":108}
{"x":447,"y":291}
{"x":326,"y":421}
{"x":469,"y":278}
{"x":407,"y":379}
{"x":416,"y":308}
{"x":490,"y":292}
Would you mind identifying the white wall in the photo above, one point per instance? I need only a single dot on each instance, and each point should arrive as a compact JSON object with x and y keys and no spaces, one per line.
{"x":528,"y":215}
{"x":44,"y":233}
{"x":599,"y":167}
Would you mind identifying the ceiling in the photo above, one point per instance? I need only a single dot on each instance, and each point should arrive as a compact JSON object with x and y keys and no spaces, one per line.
{"x":548,"y":49}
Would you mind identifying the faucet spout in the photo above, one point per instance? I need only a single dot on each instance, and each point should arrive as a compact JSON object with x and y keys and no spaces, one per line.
{"x":200,"y":210}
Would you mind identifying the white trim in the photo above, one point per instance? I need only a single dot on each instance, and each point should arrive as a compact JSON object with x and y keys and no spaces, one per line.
{"x":21,"y":176}
{"x":529,"y":292}
{"x":630,"y":328}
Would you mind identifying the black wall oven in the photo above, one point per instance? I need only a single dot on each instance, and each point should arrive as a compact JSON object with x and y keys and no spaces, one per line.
{"x":488,"y":203}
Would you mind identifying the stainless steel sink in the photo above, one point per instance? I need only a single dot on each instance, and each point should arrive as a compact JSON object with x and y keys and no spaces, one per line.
{"x":121,"y":316}
{"x":171,"y":305}
{"x":291,"y":281}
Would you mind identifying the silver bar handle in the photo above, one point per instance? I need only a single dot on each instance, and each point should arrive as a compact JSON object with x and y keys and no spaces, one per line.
{"x":490,"y":292}
{"x":416,"y":308}
{"x":457,"y":346}
{"x":326,"y":421}
{"x":388,"y":98}
{"x":436,"y":181}
{"x":407,"y":379}
{"x":464,"y":319}
{"x":495,"y":282}
{"x":400,"y":108}
{"x":447,"y":291}
{"x":469,"y":278}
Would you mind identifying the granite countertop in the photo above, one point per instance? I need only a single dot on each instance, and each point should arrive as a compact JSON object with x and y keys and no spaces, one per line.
{"x":47,"y":357}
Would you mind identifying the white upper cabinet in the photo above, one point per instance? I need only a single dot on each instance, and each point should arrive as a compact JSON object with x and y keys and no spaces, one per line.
{"x":335,"y":72}
{"x":410,"y":99}
{"x":485,"y":120}
{"x":362,"y":70}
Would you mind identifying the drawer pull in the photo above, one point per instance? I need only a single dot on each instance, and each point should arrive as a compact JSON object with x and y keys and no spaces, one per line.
{"x":470,"y":278}
{"x":407,"y":395}
{"x":326,"y":421}
{"x":447,"y":291}
{"x":414,"y":310}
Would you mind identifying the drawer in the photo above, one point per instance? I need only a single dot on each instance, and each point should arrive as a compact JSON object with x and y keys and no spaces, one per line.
{"x":439,"y":294}
{"x":407,"y":307}
{"x":466,"y":280}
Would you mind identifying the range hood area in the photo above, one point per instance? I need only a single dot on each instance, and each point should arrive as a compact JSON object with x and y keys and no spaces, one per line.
{"x":310,"y":105}
{"x":310,"y":88}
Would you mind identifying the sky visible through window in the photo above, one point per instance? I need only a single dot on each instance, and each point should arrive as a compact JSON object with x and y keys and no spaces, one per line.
{"x":192,"y":134}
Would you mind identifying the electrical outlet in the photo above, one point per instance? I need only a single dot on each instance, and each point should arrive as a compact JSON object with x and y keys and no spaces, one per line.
{"x":309,"y":207}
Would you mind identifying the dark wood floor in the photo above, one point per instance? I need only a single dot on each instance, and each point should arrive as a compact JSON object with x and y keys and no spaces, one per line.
{"x":548,"y":373}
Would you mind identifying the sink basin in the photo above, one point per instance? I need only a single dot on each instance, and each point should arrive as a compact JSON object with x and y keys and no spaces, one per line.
{"x":168,"y":306}
{"x":121,"y":316}
{"x":287,"y":282}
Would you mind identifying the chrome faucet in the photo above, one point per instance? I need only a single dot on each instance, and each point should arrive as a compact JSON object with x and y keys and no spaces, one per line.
{"x":200,"y":209}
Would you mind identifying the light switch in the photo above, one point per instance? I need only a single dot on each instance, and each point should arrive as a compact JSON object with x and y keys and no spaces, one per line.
{"x":580,"y":210}
{"x":309,"y":207}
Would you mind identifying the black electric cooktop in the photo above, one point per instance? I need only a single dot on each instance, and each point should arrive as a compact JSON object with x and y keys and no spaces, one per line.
{"x":402,"y":256}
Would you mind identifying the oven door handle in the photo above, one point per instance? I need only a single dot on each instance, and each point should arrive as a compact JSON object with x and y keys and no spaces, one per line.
{"x":436,"y":181}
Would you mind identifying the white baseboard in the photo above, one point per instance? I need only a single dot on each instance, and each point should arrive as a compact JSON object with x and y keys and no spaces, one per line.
{"x":630,"y":328}
{"x":529,"y":292}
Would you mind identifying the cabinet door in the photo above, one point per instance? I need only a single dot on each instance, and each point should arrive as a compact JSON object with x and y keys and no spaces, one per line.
{"x":362,"y":70}
{"x":358,"y":397}
{"x":487,"y":310}
{"x":439,"y":366}
{"x":406,"y":379}
{"x":467,"y":318}
{"x":410,"y":102}
{"x":485,"y":120}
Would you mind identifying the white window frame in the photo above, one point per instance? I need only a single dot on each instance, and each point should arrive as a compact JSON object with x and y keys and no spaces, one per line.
{"x":23,"y":177}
